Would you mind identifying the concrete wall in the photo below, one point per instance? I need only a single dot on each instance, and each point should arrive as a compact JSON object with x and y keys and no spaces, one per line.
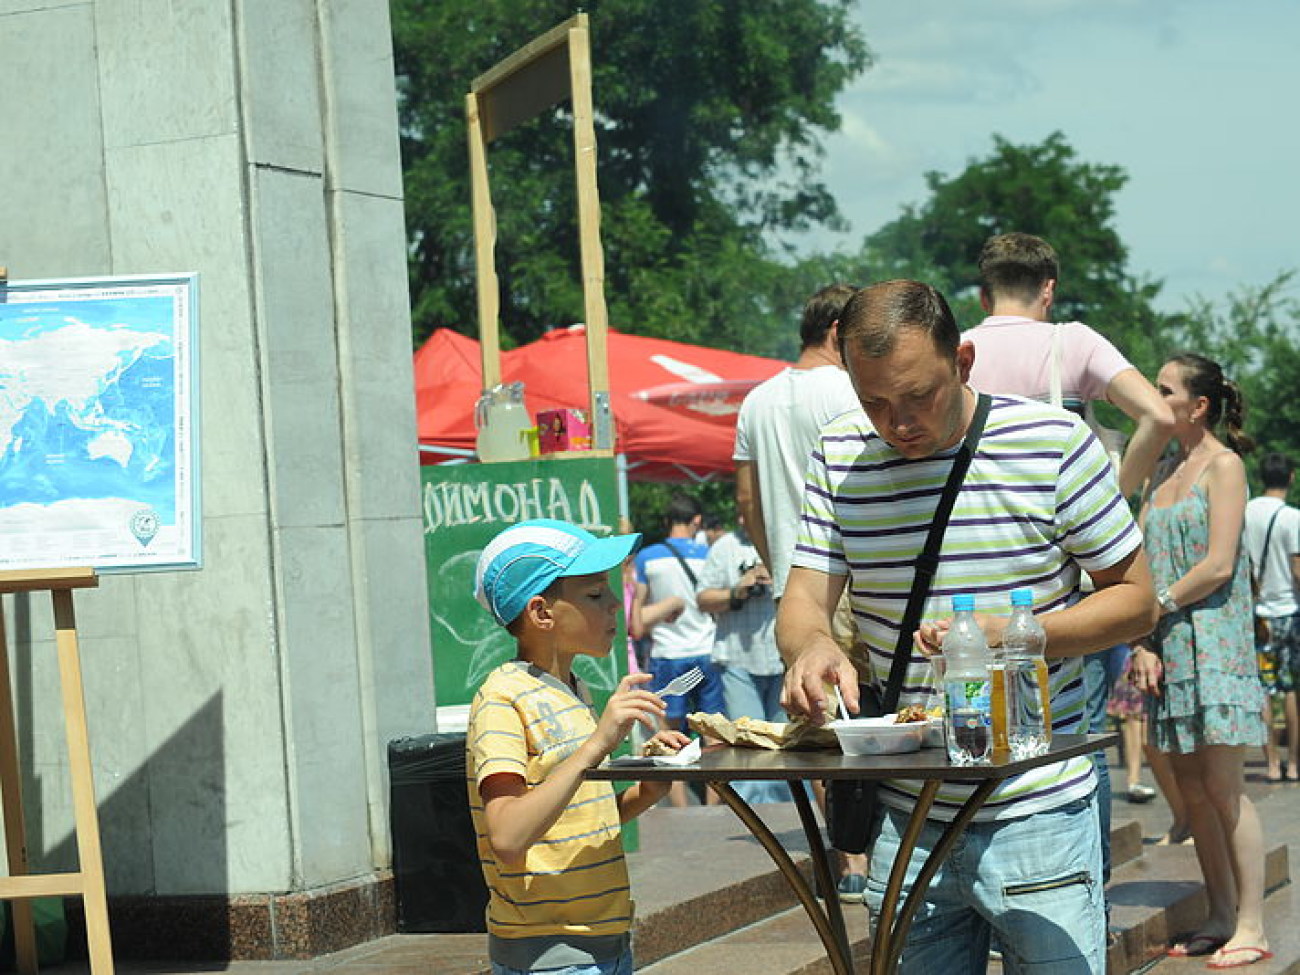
{"x":238,"y":714}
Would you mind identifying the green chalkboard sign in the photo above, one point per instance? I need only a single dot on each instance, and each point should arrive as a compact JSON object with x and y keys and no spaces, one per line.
{"x":465,"y":506}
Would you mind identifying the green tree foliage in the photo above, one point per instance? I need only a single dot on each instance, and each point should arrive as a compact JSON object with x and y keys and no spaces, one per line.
{"x":647,"y":502}
{"x":1041,"y":189}
{"x":1047,"y":190}
{"x":700,"y":107}
{"x":1253,"y":336}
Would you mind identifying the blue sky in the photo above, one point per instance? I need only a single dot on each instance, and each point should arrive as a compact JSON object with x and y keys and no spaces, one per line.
{"x":1194,"y":99}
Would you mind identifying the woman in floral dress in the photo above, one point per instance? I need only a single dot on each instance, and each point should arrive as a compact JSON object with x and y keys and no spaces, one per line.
{"x":1199,"y":664}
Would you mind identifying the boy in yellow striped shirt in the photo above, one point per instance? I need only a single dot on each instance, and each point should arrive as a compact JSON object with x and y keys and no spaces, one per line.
{"x":549,"y":840}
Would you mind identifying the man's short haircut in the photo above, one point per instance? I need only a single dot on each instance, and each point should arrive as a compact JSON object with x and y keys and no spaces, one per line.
{"x":1016,"y":266}
{"x":822,"y":311}
{"x":874,"y":316}
{"x":682,"y":509}
{"x":1275,"y":471}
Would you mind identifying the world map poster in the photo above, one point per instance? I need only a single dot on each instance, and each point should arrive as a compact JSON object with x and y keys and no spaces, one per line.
{"x":98,"y":458}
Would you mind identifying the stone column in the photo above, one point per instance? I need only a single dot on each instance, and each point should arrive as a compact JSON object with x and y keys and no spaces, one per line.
{"x":239,"y":714}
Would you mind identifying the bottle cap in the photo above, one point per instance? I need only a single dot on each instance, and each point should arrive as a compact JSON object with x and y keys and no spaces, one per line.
{"x":1022,"y":597}
{"x":963,"y":602}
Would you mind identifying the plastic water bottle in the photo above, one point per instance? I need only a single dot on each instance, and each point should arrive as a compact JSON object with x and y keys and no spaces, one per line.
{"x":1028,"y":694}
{"x":966,"y":690}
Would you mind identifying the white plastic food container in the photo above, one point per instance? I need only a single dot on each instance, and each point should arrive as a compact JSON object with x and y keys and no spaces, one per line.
{"x":878,"y":736}
{"x":933,"y":733}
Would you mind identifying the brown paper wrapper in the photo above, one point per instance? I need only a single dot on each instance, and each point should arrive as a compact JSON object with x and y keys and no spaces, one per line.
{"x":754,"y":733}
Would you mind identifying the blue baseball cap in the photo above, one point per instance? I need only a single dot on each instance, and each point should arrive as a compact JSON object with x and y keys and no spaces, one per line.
{"x":526,"y":558}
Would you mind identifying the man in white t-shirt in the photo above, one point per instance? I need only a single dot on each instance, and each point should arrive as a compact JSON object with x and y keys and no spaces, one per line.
{"x":775,"y":434}
{"x":777,"y":430}
{"x":1273,"y":542}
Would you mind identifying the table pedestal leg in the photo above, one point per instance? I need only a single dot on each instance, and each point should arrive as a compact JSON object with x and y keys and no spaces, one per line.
{"x":891,"y":931}
{"x":829,"y":922}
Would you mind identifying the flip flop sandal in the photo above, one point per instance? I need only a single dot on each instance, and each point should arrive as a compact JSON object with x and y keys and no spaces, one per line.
{"x":1238,"y":957}
{"x":1196,"y":946}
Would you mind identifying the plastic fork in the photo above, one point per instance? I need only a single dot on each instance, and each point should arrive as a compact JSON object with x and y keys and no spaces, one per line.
{"x":682,"y":683}
{"x":844,"y":711}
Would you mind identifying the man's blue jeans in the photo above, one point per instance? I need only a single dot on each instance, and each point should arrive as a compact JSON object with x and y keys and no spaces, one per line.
{"x":1035,"y":881}
{"x":1100,"y":671}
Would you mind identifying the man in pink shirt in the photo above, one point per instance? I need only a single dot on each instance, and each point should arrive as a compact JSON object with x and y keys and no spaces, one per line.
{"x":1013,"y":350}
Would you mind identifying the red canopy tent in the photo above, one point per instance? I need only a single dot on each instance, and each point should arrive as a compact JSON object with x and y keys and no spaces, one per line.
{"x":674,"y":404}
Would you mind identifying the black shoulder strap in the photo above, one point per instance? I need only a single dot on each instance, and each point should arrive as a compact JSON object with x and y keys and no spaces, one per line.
{"x":928,"y":564}
{"x":682,"y":562}
{"x":1268,"y":536}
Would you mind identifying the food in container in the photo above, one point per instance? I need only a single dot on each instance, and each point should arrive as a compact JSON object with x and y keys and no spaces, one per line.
{"x":878,"y":736}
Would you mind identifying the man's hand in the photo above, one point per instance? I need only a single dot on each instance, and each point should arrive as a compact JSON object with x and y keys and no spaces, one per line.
{"x":672,"y":608}
{"x":929,"y":637}
{"x":807,"y":681}
{"x":813,"y":658}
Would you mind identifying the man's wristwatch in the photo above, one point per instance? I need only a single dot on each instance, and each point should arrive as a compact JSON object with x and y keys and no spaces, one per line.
{"x":1166,"y":601}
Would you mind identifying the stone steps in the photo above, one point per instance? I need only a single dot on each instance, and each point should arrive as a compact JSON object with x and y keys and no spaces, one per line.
{"x":1281,"y":920}
{"x":1155,"y":893}
{"x":709,"y":899}
{"x":784,"y":944}
{"x":1159,"y":897}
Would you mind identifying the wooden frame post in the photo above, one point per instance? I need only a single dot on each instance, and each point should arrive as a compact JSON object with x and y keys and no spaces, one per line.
{"x":545,"y":71}
{"x":88,"y":880}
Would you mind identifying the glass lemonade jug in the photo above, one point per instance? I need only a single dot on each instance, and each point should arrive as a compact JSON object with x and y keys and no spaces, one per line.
{"x":503,"y":423}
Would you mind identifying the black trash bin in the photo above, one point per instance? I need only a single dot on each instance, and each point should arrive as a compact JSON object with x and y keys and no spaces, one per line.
{"x":439,"y":883}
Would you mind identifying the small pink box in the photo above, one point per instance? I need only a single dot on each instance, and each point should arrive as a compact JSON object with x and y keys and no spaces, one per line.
{"x":565,"y":429}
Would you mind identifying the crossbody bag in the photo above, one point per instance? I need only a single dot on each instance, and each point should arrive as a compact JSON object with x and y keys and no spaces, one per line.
{"x":854,"y":803}
{"x":682,"y":562}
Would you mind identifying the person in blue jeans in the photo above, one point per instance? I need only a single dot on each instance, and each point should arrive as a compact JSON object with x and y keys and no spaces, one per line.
{"x":1041,"y":927}
{"x":1036,"y":507}
{"x":672,"y":567}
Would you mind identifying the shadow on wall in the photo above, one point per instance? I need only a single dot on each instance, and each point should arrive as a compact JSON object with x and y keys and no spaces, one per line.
{"x":150,"y":816}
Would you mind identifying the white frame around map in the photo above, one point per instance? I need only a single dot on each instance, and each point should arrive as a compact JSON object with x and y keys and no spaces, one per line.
{"x":151,"y":523}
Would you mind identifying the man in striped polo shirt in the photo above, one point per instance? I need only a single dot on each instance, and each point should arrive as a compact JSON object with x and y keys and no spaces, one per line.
{"x":1036,"y":507}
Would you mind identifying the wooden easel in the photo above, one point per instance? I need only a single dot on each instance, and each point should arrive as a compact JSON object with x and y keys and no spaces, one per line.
{"x":545,"y":71}
{"x":88,"y":880}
